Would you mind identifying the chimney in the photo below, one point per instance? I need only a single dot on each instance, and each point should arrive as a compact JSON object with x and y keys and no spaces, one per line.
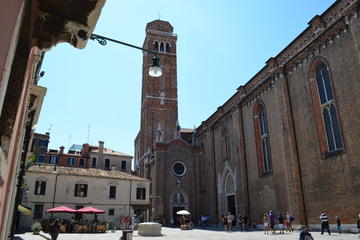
{"x":85,"y":149}
{"x":101,"y":153}
{"x":61,"y":150}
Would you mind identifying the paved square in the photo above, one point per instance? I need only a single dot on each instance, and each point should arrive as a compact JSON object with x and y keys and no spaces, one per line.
{"x":195,"y":234}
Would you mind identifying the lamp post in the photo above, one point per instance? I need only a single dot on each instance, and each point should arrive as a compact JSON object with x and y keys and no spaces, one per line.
{"x":54,"y":194}
{"x":154,"y":70}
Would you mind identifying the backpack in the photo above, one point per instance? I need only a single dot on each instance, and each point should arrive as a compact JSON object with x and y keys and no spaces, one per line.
{"x":292,"y":218}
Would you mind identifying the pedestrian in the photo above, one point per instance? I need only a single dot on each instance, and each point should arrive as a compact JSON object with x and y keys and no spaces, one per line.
{"x":134,"y":221}
{"x":304,"y":234}
{"x":54,"y":229}
{"x":229,"y":219}
{"x":207,"y":217}
{"x":224,"y":222}
{"x":240,"y":221}
{"x":281,"y":223}
{"x":287,"y":225}
{"x":290,"y":219}
{"x":324,"y":222}
{"x":233,"y":220}
{"x":272,"y":221}
{"x":246,"y":222}
{"x":203,"y":220}
{"x":338,"y":224}
{"x":358,"y":224}
{"x":266,"y":223}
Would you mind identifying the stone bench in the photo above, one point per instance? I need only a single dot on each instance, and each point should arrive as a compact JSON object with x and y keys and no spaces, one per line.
{"x":149,"y":229}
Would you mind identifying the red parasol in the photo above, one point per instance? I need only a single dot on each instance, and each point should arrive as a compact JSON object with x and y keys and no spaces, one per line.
{"x":61,"y":209}
{"x":90,"y":210}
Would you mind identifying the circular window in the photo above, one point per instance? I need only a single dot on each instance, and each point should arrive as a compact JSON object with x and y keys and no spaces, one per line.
{"x":179,"y":169}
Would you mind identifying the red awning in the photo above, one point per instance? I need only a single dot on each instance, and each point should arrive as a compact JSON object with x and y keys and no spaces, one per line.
{"x":61,"y":209}
{"x":90,"y":210}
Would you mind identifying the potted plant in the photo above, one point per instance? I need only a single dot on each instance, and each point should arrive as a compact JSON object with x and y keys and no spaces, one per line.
{"x":36,"y":227}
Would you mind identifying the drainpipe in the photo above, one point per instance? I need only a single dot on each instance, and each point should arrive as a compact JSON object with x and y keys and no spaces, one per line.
{"x":130,"y":196}
{"x":54,"y":194}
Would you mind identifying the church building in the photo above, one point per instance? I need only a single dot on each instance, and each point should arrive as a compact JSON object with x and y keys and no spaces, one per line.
{"x":287,"y":140}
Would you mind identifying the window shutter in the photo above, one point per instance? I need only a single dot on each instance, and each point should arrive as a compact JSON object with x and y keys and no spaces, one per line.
{"x":85,"y":190}
{"x":36,"y":187}
{"x":43,"y":188}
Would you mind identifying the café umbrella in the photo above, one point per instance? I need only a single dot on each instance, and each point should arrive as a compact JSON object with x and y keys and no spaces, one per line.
{"x":183,"y":212}
{"x":61,"y":209}
{"x":90,"y":210}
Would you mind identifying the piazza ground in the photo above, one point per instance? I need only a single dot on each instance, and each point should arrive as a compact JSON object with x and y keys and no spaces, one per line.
{"x":196,"y":234}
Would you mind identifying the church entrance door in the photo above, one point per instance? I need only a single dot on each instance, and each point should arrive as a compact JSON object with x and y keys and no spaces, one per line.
{"x":231,"y":204}
{"x":175,"y":216}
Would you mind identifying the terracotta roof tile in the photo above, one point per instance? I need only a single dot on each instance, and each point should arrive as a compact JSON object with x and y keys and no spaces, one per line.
{"x":112,"y":152}
{"x":89,"y":172}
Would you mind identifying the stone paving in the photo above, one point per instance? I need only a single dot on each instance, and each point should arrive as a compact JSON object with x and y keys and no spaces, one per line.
{"x":195,"y":234}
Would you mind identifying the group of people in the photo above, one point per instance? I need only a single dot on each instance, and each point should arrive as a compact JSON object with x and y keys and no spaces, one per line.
{"x":285,"y":224}
{"x":229,"y":221}
{"x":128,"y":222}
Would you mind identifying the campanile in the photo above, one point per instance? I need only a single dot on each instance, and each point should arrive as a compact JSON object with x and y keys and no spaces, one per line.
{"x":159,"y":104}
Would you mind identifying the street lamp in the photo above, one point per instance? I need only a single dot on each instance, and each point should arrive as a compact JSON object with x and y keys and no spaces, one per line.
{"x":154,"y":70}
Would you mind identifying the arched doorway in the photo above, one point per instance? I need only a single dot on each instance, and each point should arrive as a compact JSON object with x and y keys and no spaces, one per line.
{"x":230,"y":194}
{"x":179,"y":201}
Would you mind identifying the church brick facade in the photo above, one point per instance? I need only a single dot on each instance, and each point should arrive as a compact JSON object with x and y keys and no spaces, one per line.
{"x":287,"y":140}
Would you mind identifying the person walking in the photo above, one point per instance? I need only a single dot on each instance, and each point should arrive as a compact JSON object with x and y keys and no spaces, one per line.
{"x":324,"y":222}
{"x":246,"y":222}
{"x":224,"y":222}
{"x":240,"y":221}
{"x":304,"y":234}
{"x":272,"y":221}
{"x":229,"y":219}
{"x":290,"y":219}
{"x":266,"y":223}
{"x":338,"y":224}
{"x":358,"y":224}
{"x":54,"y":229}
{"x":281,"y":223}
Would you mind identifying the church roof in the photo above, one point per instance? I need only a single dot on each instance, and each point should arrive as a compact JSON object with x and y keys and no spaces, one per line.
{"x":112,"y":152}
{"x":186,"y":130}
{"x":159,"y":25}
{"x":88,"y":172}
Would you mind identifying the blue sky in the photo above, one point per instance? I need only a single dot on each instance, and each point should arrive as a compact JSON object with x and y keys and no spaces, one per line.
{"x":221,"y":45}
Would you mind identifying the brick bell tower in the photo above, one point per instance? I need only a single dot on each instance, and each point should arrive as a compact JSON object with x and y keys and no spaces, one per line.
{"x":159,"y":105}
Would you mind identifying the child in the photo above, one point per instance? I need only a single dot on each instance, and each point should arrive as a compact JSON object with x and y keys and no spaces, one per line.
{"x":338,"y":224}
{"x":281,"y":223}
{"x":287,"y":225}
{"x":266,"y":223}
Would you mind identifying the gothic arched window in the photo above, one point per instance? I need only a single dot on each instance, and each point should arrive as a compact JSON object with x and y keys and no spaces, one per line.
{"x":229,"y":185}
{"x":156,"y":46}
{"x":167,"y":48}
{"x":326,"y":115}
{"x":262,"y":139}
{"x":179,"y":198}
{"x":225,"y":144}
{"x":161,"y":47}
